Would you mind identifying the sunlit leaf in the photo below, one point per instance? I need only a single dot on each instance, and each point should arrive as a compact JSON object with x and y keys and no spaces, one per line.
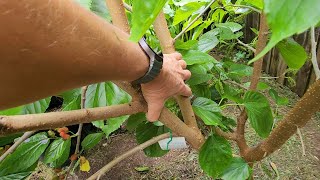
{"x":237,"y":170}
{"x":208,"y":111}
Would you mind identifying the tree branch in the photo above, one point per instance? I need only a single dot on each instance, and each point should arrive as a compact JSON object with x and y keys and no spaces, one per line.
{"x":25,"y":136}
{"x":314,"y":54}
{"x":193,"y":21}
{"x":246,"y":45}
{"x":32,"y":122}
{"x":227,"y":135}
{"x":257,"y":67}
{"x":129,"y":153}
{"x":298,"y":116}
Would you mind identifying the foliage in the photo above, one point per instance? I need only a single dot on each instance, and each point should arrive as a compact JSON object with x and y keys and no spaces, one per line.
{"x":219,"y":28}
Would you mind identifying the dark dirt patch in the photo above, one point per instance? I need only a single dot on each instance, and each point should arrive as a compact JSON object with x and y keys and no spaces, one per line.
{"x":178,"y":164}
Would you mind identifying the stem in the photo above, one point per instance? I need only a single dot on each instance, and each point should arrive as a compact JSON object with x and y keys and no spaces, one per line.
{"x":302,"y":143}
{"x":314,"y":54}
{"x":227,"y":135}
{"x":257,"y":67}
{"x":193,"y":21}
{"x":78,"y":134}
{"x":138,"y":148}
{"x":51,"y":120}
{"x":25,"y":136}
{"x":298,"y":116}
{"x":246,"y":45}
{"x":166,"y":42}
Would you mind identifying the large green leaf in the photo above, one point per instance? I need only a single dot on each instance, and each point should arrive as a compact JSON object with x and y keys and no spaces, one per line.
{"x":256,"y":3}
{"x":199,"y":74}
{"x":197,"y":57}
{"x":215,"y":155}
{"x":91,"y":140}
{"x":208,"y":111}
{"x":237,"y":170}
{"x":292,"y":52}
{"x":25,"y":155}
{"x":12,"y":111}
{"x":8,"y":139}
{"x":281,"y":101}
{"x":37,"y":107}
{"x":259,"y":112}
{"x":144,"y":13}
{"x":146,"y":131}
{"x":106,"y":94}
{"x":208,"y":41}
{"x":16,"y":176}
{"x":179,"y":44}
{"x":134,"y":120}
{"x":185,"y":11}
{"x":287,"y":17}
{"x":58,"y":151}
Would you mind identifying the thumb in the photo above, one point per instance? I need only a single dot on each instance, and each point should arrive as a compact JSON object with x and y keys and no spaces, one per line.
{"x":154,"y":110}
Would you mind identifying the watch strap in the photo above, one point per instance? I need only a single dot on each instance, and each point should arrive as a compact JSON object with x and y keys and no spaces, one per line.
{"x":155,"y":63}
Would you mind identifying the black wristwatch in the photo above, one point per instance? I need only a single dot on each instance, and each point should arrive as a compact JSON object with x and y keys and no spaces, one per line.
{"x":155,"y":64}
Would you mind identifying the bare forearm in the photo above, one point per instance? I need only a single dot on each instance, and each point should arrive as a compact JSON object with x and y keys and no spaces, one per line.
{"x":50,"y":46}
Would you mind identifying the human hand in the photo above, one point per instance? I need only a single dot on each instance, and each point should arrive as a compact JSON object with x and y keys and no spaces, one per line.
{"x":168,"y":83}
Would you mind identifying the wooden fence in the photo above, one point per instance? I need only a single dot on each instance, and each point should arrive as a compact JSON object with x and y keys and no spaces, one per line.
{"x":275,"y":66}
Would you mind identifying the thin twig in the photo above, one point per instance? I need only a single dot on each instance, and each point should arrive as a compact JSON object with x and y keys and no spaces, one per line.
{"x":136,"y":149}
{"x":314,"y":53}
{"x":25,"y":136}
{"x":77,"y":150}
{"x":227,"y":135}
{"x":127,"y":6}
{"x":246,"y":45}
{"x":302,"y":143}
{"x":237,"y":84}
{"x":193,"y":21}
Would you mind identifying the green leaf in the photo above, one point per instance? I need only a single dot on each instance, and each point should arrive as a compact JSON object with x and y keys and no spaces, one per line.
{"x":37,"y":107}
{"x":142,"y":168}
{"x":237,"y":170}
{"x":281,"y":101}
{"x":199,"y":74}
{"x":91,"y":140}
{"x":56,"y":151}
{"x":208,"y":111}
{"x":134,"y":120}
{"x":215,"y":155}
{"x":256,"y":3}
{"x":208,"y":41}
{"x":85,"y":3}
{"x":8,"y":139}
{"x":146,"y":131}
{"x":231,"y":93}
{"x":99,"y":7}
{"x":185,"y":11}
{"x":69,"y":96}
{"x":259,"y":113}
{"x":144,"y":13}
{"x":261,"y":85}
{"x":292,"y":52}
{"x":201,"y":91}
{"x":25,"y":155}
{"x":16,"y":176}
{"x":234,"y":27}
{"x":106,"y":94}
{"x":239,"y":70}
{"x":179,"y":44}
{"x":12,"y":111}
{"x":288,"y":17}
{"x":197,"y":57}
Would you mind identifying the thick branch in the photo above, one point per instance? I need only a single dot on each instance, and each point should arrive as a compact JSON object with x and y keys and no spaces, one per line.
{"x":299,"y":115}
{"x":25,"y":136}
{"x":129,"y":153}
{"x":314,"y":54}
{"x":166,"y":42}
{"x":119,"y":18}
{"x":227,"y":135}
{"x":32,"y":122}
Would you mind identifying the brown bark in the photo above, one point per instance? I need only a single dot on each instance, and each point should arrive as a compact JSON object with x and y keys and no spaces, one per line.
{"x":257,"y":67}
{"x":116,"y":9}
{"x":299,"y":115}
{"x":166,"y":42}
{"x":32,"y":122}
{"x":262,"y":41}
